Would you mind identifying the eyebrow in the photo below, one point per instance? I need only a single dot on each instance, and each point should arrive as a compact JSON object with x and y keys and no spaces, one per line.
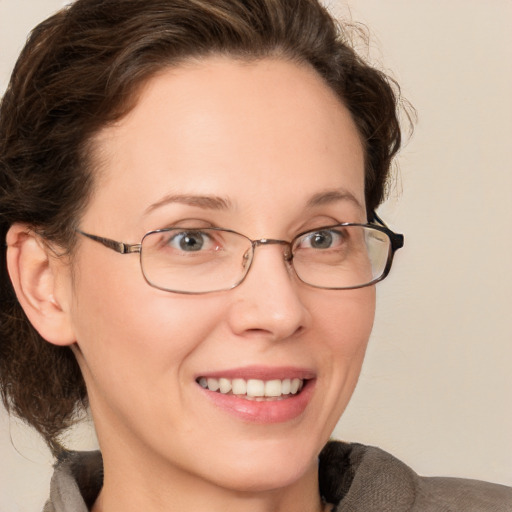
{"x":220,"y":203}
{"x":333,"y":196}
{"x":206,"y":202}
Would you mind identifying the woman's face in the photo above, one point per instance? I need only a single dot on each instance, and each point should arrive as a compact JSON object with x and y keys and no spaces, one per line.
{"x":263,"y":148}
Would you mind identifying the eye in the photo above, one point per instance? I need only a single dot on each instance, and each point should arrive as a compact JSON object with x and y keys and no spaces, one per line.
{"x":321,"y":239}
{"x":191,"y":241}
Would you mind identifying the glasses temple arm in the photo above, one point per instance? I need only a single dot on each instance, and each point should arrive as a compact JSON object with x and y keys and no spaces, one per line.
{"x":397,"y":240}
{"x":112,"y":244}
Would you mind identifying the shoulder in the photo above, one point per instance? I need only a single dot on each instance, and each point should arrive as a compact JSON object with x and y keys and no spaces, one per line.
{"x":454,"y":494}
{"x":366,"y":479}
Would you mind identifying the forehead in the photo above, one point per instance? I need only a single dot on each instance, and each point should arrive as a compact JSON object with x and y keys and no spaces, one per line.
{"x":252,"y":132}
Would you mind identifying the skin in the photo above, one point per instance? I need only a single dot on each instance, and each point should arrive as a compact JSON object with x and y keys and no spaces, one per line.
{"x":266,"y":137}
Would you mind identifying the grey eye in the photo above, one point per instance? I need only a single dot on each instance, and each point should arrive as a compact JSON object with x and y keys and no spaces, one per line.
{"x":188,"y":241}
{"x":321,"y":240}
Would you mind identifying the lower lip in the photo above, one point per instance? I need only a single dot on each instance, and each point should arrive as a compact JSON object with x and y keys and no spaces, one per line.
{"x":271,"y":411}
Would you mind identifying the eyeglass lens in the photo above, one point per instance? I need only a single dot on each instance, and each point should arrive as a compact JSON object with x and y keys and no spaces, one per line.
{"x":211,"y":259}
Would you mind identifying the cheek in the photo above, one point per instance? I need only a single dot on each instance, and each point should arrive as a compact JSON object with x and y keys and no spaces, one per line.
{"x":128,"y":331}
{"x":343,"y":327}
{"x":353,"y":332}
{"x":345,"y":321}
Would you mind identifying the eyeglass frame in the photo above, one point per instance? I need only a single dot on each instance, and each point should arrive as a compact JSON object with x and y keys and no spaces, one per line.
{"x":397,"y":242}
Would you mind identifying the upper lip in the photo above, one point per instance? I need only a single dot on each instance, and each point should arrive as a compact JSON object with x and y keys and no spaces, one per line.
{"x":261,"y":373}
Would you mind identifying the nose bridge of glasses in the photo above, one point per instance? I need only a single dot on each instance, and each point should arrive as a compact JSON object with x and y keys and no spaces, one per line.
{"x":271,"y":241}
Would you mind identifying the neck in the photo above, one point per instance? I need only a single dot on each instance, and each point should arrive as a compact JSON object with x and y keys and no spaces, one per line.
{"x":132,"y":485}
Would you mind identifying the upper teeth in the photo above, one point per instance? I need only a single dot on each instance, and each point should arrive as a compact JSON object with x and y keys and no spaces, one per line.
{"x":253,"y":387}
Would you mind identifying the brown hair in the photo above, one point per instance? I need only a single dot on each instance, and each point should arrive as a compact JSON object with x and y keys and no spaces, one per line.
{"x":80,"y":70}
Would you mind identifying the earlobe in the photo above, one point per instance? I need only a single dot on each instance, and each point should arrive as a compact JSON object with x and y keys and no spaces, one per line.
{"x":38,"y":280}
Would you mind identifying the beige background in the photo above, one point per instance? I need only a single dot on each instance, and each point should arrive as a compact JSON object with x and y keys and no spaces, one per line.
{"x":436,"y":386}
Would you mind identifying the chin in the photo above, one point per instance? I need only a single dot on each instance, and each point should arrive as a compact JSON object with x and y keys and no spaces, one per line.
{"x":266,"y":465}
{"x":267,"y":477}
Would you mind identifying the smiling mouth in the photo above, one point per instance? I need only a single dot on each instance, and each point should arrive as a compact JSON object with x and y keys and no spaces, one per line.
{"x":254,"y":389}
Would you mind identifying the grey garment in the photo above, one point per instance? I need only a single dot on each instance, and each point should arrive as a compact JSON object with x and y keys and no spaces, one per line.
{"x":76,"y":482}
{"x":378,"y":482}
{"x":355,"y":478}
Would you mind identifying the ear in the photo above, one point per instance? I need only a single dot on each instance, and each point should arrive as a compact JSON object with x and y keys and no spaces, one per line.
{"x":42,"y":284}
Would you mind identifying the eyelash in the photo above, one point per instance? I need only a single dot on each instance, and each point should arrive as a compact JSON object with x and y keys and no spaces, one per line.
{"x":310,"y":225}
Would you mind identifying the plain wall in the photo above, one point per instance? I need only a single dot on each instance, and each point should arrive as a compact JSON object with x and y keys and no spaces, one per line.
{"x":436,"y":386}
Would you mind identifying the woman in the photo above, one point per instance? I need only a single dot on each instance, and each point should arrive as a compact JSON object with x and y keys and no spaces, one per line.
{"x":188,"y":199}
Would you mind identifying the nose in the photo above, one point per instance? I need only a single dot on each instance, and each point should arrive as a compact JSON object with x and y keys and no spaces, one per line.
{"x":269,"y":302}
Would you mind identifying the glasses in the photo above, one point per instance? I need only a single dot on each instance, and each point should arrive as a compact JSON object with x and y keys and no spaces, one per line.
{"x":204,"y":260}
